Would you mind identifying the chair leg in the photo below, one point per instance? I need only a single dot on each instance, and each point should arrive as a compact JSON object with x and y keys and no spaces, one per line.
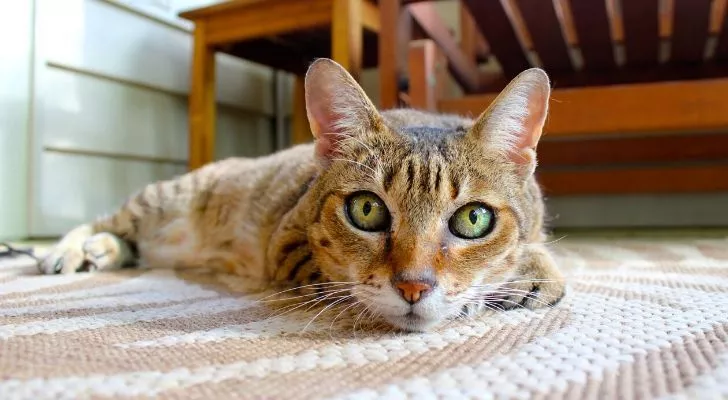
{"x":300,"y":129}
{"x":388,"y":48}
{"x":426,"y":70}
{"x":202,"y":102}
{"x":347,"y":35}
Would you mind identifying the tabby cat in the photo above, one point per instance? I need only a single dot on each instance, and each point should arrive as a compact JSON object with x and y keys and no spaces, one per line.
{"x":424,"y":216}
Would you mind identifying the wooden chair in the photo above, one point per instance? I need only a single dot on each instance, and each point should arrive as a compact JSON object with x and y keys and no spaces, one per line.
{"x":408,"y":22}
{"x":282,"y":34}
{"x":627,"y":116}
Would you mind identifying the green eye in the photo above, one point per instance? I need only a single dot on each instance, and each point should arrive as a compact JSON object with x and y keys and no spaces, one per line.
{"x":367,"y":211}
{"x":472,"y":221}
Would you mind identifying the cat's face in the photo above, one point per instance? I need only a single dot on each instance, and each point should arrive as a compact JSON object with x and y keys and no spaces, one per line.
{"x":414,"y":210}
{"x":415,"y":214}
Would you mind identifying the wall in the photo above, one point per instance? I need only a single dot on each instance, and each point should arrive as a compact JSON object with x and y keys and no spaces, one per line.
{"x":651,"y":211}
{"x":15,"y":83}
{"x":110,"y":106}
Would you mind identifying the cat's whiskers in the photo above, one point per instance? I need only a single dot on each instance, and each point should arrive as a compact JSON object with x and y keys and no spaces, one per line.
{"x":375,"y":314}
{"x":490,"y":304}
{"x":308,"y":309}
{"x":528,"y":295}
{"x":365,"y":312}
{"x":372,"y":316}
{"x":470,"y":316}
{"x":332,"y":293}
{"x":489,"y":288}
{"x":356,"y":303}
{"x":493,"y":307}
{"x":548,"y":243}
{"x":479,"y":301}
{"x":317,"y":293}
{"x":501,"y":293}
{"x":464,"y":314}
{"x":491,"y":295}
{"x":315,"y":301}
{"x":326,"y":308}
{"x":290,"y":308}
{"x":517,"y":305}
{"x":328,"y":297}
{"x":329,"y":284}
{"x":505,"y":288}
{"x":502,"y":283}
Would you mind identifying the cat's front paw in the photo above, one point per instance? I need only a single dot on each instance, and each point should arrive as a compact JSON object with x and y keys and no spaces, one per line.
{"x":81,"y":250}
{"x":65,"y":258}
{"x":538,"y":284}
{"x":532,"y":293}
{"x":106,"y":251}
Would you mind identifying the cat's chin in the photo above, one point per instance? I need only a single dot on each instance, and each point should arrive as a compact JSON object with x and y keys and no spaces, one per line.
{"x":412,"y":322}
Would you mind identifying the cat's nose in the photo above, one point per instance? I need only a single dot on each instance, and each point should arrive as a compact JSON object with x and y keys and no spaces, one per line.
{"x":413,"y":291}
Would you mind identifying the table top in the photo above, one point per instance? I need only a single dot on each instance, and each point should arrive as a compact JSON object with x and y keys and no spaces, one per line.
{"x":294,"y":52}
{"x":234,"y":5}
{"x":291,"y":51}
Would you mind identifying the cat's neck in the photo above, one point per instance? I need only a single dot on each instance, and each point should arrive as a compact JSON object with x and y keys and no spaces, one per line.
{"x":288,"y":254}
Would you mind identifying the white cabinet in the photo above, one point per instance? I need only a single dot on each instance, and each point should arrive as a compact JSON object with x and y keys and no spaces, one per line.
{"x":105,"y":100}
{"x":15,"y":83}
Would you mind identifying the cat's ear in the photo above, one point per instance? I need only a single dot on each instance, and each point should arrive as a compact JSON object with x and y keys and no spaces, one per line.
{"x":514,"y":121}
{"x":337,"y":107}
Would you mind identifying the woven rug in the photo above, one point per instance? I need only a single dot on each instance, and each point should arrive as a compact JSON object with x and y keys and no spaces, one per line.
{"x":642,"y":319}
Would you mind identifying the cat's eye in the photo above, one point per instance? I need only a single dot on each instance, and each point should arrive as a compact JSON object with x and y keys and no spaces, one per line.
{"x":472,"y":221}
{"x":367,"y":212}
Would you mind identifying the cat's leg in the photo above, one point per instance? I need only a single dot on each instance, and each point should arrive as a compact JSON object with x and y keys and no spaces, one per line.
{"x":67,"y":255}
{"x":82,"y":249}
{"x":107,"y":242}
{"x":105,"y":251}
{"x":142,"y":222}
{"x":538,"y":282}
{"x":103,"y":244}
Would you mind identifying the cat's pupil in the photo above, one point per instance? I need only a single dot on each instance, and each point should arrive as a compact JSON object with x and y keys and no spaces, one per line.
{"x":367,"y":208}
{"x":473,"y":216}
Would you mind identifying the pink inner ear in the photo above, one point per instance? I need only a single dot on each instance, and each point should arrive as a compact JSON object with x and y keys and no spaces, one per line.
{"x":534,"y":122}
{"x":323,"y":121}
{"x":325,"y":148}
{"x":323,"y":126}
{"x":524,"y":151}
{"x":319,"y":115}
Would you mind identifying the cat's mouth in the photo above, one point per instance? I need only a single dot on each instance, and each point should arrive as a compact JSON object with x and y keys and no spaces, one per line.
{"x":411,"y":321}
{"x":417,"y":317}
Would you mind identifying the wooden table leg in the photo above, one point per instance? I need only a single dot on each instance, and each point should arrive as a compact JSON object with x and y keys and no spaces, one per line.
{"x":202,"y":102}
{"x":347,"y":35}
{"x":388,"y":58}
{"x":300,"y":128}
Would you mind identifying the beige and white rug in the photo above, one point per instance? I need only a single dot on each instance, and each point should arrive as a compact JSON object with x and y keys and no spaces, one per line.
{"x":643,"y":319}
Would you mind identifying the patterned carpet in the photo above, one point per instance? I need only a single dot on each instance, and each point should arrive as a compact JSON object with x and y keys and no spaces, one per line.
{"x":642,"y":319}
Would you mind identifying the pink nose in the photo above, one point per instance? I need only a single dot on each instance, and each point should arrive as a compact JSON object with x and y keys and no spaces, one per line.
{"x":413,"y":291}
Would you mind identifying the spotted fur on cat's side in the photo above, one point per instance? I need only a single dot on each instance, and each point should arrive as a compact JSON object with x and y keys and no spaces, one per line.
{"x":423,"y":216}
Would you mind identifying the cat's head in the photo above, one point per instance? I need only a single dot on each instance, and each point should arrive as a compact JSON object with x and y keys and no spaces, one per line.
{"x":420,"y":210}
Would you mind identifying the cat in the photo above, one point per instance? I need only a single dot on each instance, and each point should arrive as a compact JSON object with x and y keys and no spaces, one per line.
{"x":423,"y":217}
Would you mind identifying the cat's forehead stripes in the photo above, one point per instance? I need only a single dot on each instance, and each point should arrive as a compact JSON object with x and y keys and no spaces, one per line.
{"x":428,"y":139}
{"x":421,"y":159}
{"x":417,"y":174}
{"x":432,"y":134}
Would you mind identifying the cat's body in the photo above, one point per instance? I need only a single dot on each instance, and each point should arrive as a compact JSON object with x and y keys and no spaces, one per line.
{"x":376,"y":211}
